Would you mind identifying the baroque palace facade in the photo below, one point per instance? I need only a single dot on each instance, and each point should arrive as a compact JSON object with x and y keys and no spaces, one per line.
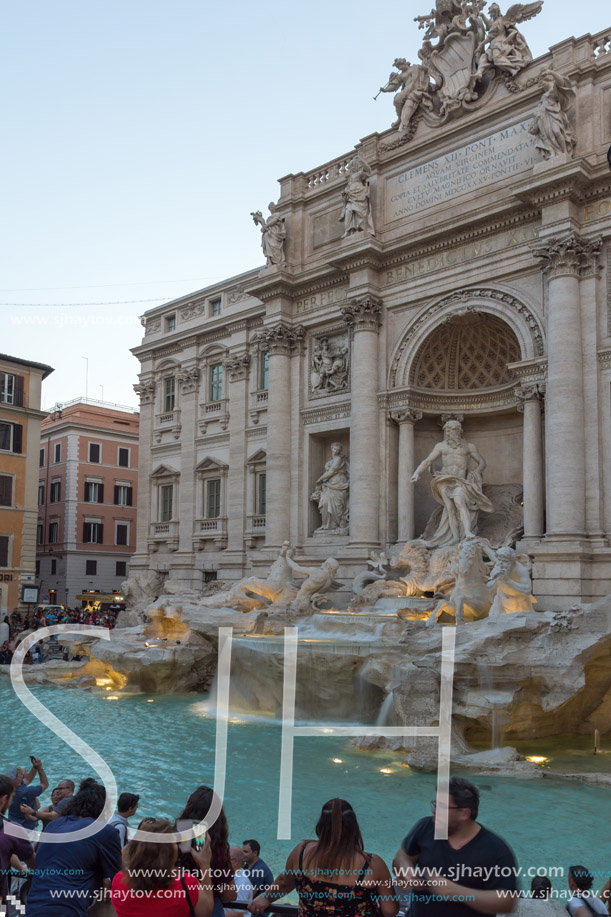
{"x":457,"y":266}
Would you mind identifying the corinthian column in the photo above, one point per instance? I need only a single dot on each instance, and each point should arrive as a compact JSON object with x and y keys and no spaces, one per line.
{"x":532,"y":460}
{"x":146,"y":392}
{"x":236,"y":372}
{"x":564,"y":416}
{"x":280,"y":342}
{"x":590,"y":269}
{"x":363,"y":316}
{"x":188,"y":380}
{"x":405,"y":490}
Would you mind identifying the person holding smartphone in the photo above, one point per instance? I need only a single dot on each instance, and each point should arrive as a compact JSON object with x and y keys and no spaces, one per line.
{"x":150,"y":885}
{"x":223,"y":886}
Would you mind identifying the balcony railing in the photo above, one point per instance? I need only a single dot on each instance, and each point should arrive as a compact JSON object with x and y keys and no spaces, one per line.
{"x":258,"y":403}
{"x":164,"y":532}
{"x":167,"y":418}
{"x":214,"y":410}
{"x":210,"y":530}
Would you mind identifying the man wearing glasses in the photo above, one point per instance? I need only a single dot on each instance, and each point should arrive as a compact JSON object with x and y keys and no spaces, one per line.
{"x":464,"y":875}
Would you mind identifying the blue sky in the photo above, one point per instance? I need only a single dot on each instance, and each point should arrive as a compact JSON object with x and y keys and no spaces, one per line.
{"x":139,"y":135}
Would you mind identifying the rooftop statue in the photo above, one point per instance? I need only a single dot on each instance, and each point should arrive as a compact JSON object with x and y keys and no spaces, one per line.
{"x":356,"y":212}
{"x":551,"y":125}
{"x":411,"y":83}
{"x":457,"y":489}
{"x":273,"y":234}
{"x":504,"y":47}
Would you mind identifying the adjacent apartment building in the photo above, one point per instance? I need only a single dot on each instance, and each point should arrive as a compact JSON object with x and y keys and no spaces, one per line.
{"x":87,"y":489}
{"x":20,"y":419}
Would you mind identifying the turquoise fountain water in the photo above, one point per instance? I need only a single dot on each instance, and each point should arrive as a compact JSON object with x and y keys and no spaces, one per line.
{"x":163,"y":747}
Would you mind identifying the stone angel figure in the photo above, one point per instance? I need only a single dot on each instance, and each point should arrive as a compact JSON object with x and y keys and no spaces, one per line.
{"x":273,"y":234}
{"x":551,"y":125}
{"x":504,"y":47}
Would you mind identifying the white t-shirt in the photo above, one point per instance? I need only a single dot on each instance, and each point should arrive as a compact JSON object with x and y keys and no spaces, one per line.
{"x":245,"y":893}
{"x":244,"y":886}
{"x":596,"y":906}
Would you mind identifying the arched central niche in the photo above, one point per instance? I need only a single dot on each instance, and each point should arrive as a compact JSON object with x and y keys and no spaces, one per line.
{"x":457,"y":362}
{"x":467,"y":352}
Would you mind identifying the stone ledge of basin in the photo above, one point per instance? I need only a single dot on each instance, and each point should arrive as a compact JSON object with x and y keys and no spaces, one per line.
{"x":498,"y":762}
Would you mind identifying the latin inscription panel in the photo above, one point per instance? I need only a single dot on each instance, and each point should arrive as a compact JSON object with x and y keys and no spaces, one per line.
{"x":462,"y":171}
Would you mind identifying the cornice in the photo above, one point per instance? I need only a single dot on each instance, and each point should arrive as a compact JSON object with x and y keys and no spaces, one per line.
{"x":337,"y":411}
{"x":448,"y":239}
{"x":565,"y":180}
{"x":604,"y":358}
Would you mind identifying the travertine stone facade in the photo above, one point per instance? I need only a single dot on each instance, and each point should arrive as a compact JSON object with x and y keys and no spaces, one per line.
{"x":484,"y":294}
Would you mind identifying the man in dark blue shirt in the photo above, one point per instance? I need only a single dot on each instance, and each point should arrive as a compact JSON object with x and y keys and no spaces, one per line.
{"x":255,"y":868}
{"x":26,"y":791}
{"x":472,"y":872}
{"x":68,"y":875}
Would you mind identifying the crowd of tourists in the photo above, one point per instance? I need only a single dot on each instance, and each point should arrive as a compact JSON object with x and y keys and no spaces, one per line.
{"x":14,"y":628}
{"x":117,"y":870}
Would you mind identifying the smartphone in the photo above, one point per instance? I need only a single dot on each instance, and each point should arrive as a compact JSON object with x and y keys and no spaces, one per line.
{"x":32,"y":758}
{"x":186,"y":843}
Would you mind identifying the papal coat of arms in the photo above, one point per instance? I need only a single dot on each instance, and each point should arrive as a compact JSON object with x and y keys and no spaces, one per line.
{"x":462,"y":52}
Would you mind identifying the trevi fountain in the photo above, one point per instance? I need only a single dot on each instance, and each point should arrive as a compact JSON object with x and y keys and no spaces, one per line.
{"x":470,"y":491}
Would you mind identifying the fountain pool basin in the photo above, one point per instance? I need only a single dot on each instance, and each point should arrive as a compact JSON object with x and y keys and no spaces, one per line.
{"x":162,"y":747}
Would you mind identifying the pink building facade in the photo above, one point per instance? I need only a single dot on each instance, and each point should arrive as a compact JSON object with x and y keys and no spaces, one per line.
{"x":87,"y":498}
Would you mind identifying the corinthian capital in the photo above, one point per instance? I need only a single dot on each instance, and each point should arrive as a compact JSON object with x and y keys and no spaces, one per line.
{"x":533,"y":391}
{"x":405,"y":415}
{"x":363,"y":314}
{"x":236,"y":366}
{"x":569,"y":254}
{"x":188,"y":378}
{"x":145,"y":391}
{"x":281,"y":338}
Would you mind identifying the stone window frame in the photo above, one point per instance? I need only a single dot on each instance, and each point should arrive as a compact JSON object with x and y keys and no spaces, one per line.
{"x":164,"y":476}
{"x":256,"y":465}
{"x":209,"y":469}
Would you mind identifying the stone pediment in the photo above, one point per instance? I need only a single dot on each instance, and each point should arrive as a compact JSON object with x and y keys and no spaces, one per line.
{"x":165,"y":471}
{"x":259,"y":456}
{"x":211,"y":464}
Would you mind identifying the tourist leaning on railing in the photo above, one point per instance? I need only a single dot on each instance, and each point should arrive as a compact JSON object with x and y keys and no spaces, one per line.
{"x":333,"y":875}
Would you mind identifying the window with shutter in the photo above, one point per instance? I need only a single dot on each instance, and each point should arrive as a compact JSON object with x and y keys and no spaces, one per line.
{"x":123,"y":457}
{"x":94,"y":453}
{"x":6,"y":490}
{"x":213,"y":498}
{"x":3,"y":550}
{"x":58,"y":452}
{"x":165,"y":502}
{"x":17,"y":438}
{"x":121,"y":534}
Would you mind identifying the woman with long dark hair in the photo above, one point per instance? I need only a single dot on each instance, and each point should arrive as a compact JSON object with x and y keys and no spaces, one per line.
{"x":333,"y":875}
{"x":224,"y":889}
{"x":150,"y":885}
